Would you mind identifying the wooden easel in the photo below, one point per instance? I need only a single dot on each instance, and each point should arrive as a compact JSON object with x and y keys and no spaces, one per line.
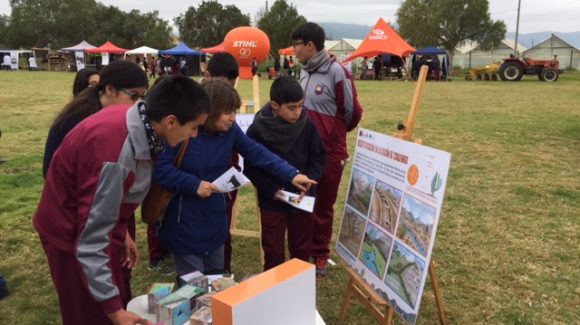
{"x":234,"y":224}
{"x":376,"y":304}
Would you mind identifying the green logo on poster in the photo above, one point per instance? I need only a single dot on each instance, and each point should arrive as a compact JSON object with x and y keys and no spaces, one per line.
{"x":436,"y":183}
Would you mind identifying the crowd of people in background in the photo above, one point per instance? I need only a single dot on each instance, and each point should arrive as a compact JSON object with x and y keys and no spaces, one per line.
{"x":95,"y":178}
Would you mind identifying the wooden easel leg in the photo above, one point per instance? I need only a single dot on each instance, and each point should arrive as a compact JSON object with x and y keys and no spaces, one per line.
{"x":388,"y":320}
{"x":438,"y":296}
{"x":346,"y":300}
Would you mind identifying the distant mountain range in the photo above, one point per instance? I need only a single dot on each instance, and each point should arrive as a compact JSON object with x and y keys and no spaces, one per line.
{"x":338,"y":30}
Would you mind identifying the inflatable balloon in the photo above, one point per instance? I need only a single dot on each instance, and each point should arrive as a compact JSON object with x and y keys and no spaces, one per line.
{"x":245,"y":44}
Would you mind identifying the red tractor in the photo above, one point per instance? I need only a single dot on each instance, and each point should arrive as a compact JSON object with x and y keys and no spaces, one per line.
{"x":513,"y":69}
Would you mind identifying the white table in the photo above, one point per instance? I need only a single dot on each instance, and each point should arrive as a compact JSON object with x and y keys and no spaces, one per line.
{"x":138,"y":305}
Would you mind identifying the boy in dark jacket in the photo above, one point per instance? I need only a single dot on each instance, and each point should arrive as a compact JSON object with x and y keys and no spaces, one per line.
{"x":283,"y":127}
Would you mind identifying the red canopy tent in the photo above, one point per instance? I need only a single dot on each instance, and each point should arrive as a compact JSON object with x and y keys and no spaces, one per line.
{"x":382,"y":39}
{"x":108,"y":47}
{"x":215,"y":49}
{"x":286,"y":51}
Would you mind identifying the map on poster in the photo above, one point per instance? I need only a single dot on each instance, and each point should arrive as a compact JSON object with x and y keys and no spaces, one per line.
{"x":390,"y":218}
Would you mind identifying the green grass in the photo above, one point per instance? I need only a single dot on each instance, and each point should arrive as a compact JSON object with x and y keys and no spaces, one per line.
{"x":508,"y":242}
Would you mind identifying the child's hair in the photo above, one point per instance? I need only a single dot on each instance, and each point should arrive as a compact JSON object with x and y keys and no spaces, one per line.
{"x":310,"y":32}
{"x":179,"y":96}
{"x":158,"y":80}
{"x":224,"y":100}
{"x":119,"y":74}
{"x":223,"y":65}
{"x":286,"y":90}
{"x":82,"y":80}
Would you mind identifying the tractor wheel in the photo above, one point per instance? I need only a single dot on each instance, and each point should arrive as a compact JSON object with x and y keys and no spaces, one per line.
{"x":494,"y":76}
{"x":485,"y":77}
{"x":478,"y":77}
{"x":549,"y":75}
{"x":510,"y":71}
{"x":540,"y":77}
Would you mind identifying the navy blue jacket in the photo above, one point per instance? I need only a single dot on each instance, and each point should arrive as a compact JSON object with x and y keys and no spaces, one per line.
{"x":307,"y":155}
{"x":194,"y":225}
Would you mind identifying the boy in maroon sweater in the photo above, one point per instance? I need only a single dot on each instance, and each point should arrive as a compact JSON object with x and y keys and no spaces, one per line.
{"x":283,"y":127}
{"x":96,"y":180}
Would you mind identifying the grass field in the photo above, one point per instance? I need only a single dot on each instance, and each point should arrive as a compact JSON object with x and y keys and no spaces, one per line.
{"x":508,"y":243}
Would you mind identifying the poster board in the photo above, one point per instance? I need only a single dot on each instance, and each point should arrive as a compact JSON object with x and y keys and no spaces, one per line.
{"x":80,"y":60}
{"x":244,"y":121}
{"x":391,"y":214}
{"x":14,"y":60}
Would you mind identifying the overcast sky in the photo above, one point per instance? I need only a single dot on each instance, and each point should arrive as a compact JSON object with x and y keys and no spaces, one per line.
{"x":536,"y":15}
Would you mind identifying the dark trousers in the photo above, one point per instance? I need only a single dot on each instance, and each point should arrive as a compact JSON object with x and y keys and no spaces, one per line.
{"x":127,"y":273}
{"x":327,"y":190}
{"x":77,"y":305}
{"x":212,"y":263}
{"x":156,"y":250}
{"x":274,"y":224}
{"x":230,"y":201}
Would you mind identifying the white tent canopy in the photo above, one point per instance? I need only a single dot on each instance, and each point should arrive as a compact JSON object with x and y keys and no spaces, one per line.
{"x":143,"y":50}
{"x":84,"y":45}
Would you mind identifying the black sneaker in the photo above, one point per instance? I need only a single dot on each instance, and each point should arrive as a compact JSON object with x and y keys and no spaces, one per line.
{"x":4,"y":291}
{"x":161,"y":267}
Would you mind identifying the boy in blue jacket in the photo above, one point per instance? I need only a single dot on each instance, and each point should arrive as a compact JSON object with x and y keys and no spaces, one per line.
{"x":283,"y":127}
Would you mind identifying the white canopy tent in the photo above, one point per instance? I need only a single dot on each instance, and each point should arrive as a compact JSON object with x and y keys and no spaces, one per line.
{"x":84,"y":45}
{"x":143,"y":50}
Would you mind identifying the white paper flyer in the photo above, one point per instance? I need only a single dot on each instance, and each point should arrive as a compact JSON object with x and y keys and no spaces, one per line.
{"x":231,"y":180}
{"x":306,"y":203}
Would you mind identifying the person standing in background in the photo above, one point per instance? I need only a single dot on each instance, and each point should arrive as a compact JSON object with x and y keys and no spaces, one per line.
{"x":32,"y":63}
{"x":364,"y":66}
{"x":254,"y":66}
{"x":332,"y":102}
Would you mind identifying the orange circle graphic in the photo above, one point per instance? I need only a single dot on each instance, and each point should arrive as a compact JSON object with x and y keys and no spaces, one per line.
{"x":413,"y":174}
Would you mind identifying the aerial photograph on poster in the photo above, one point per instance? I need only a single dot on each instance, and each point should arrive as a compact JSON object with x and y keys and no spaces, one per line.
{"x":375,"y":250}
{"x":352,"y":230}
{"x":360,"y":191}
{"x":404,"y":274}
{"x":385,"y":206}
{"x":416,"y":224}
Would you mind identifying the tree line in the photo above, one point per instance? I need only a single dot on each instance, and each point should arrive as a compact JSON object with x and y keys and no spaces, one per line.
{"x":61,"y":23}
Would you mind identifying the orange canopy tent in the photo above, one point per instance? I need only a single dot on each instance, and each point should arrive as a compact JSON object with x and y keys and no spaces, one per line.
{"x":382,"y":39}
{"x":108,"y":47}
{"x":286,"y":51}
{"x":215,"y":49}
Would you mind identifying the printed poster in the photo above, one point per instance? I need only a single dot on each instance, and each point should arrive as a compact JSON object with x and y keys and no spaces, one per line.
{"x":391,"y":214}
{"x":105,"y":58}
{"x":14,"y":60}
{"x":80,"y":60}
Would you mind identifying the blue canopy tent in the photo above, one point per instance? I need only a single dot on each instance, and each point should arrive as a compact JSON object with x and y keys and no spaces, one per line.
{"x":183,"y":50}
{"x":438,"y":69}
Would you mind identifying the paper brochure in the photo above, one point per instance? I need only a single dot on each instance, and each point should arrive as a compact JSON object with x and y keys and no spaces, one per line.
{"x":293,"y":199}
{"x":231,"y":180}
